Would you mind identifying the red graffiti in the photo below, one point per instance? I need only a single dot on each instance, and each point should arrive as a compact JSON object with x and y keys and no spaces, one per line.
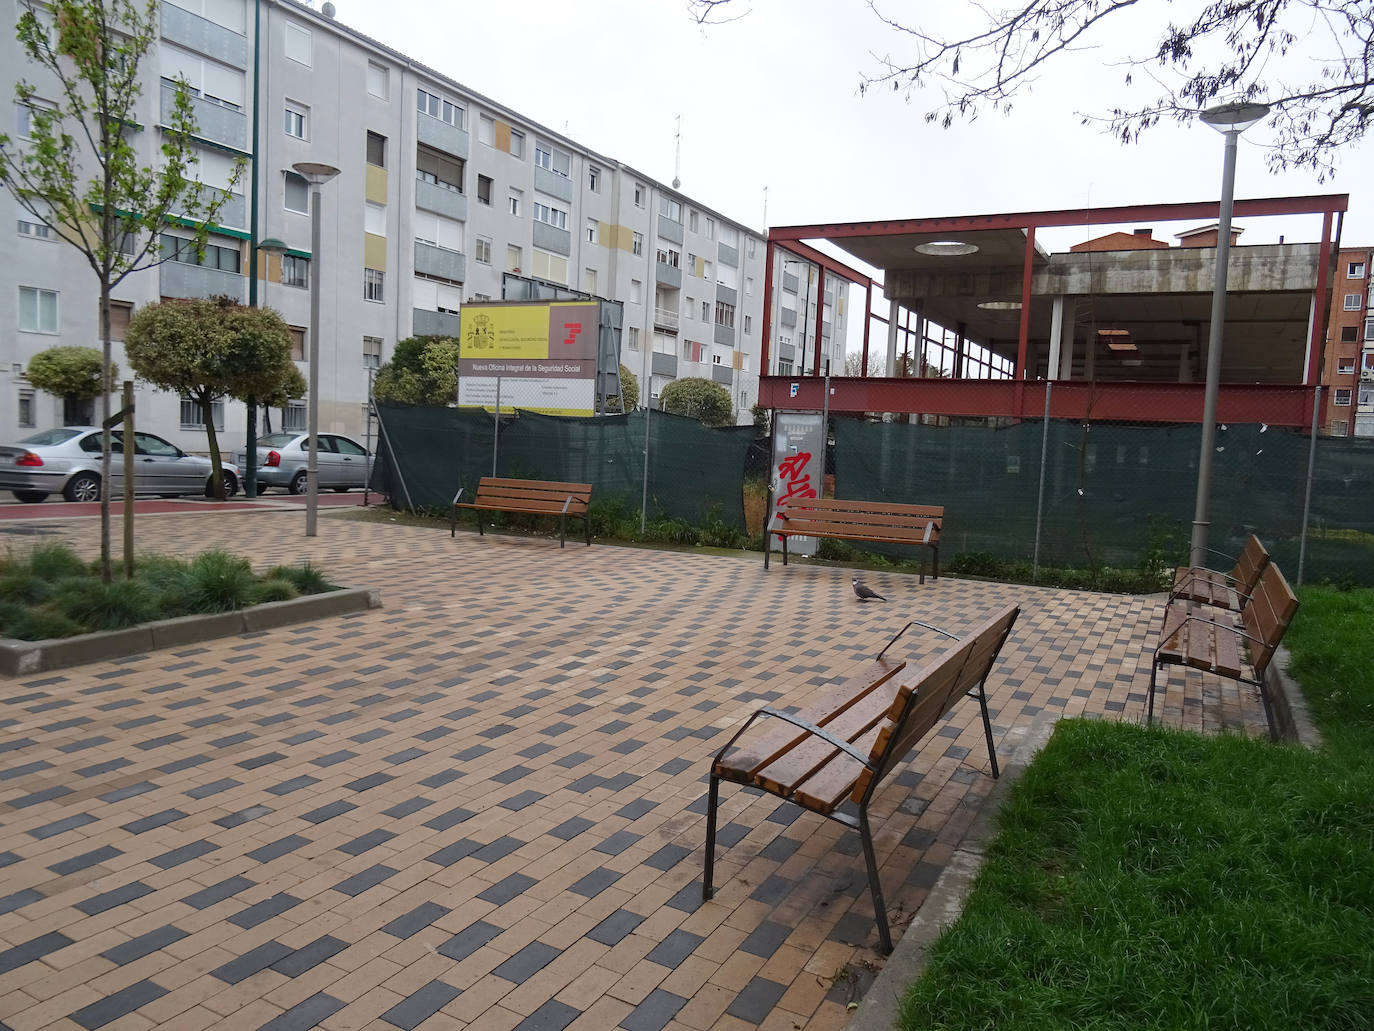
{"x":792,"y":477}
{"x":573,"y":329}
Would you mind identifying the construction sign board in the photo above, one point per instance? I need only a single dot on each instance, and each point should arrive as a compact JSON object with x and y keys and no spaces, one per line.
{"x":541,"y":354}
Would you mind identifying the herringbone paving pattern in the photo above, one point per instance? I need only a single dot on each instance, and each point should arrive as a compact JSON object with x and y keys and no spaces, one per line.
{"x":482,"y":804}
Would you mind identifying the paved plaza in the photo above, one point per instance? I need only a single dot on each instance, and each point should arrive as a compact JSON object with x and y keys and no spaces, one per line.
{"x":482,"y":804}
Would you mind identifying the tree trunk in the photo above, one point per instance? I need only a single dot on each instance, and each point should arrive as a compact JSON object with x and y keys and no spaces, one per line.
{"x":216,"y":473}
{"x":105,"y":571}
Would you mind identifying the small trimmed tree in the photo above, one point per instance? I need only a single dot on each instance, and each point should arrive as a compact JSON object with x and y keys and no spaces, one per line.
{"x":209,"y":349}
{"x":629,"y":392}
{"x":699,"y":399}
{"x":423,"y":371}
{"x":71,"y":373}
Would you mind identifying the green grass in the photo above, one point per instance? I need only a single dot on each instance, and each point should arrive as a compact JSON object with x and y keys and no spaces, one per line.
{"x":1145,"y":878}
{"x":49,"y":592}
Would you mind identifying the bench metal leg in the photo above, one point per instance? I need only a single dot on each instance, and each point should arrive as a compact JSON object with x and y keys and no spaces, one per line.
{"x":1150,"y":708}
{"x":879,"y":910}
{"x":478,"y":513}
{"x":784,"y":550}
{"x":767,"y":546}
{"x":563,"y":531}
{"x":587,"y":524}
{"x":712,"y":800}
{"x":987,"y":729}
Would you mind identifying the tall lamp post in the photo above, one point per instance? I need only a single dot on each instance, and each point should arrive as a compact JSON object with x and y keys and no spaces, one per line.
{"x":316,"y":174}
{"x":1230,"y":120}
{"x":250,"y":449}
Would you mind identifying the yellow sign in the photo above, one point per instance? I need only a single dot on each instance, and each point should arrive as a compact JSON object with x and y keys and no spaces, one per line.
{"x":524,"y":331}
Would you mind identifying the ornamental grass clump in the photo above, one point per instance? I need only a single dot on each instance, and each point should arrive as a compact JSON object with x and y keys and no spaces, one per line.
{"x":105,"y":606}
{"x":220,"y":582}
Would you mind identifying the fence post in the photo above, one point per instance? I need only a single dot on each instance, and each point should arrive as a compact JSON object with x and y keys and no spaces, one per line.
{"x":367,"y":437}
{"x":644,"y":494}
{"x":496,"y":427}
{"x":1307,"y":494}
{"x":385,"y":438}
{"x":1040,"y":499}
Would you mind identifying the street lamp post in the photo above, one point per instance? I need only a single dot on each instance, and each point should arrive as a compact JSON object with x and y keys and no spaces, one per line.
{"x":250,"y":472}
{"x":1231,"y":120}
{"x":316,"y":174}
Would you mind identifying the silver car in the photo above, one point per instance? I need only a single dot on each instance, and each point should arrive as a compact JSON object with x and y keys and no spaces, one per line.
{"x":67,"y":460}
{"x":282,"y":458}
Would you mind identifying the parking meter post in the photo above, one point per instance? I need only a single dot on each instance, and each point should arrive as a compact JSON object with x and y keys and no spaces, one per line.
{"x":128,"y":405}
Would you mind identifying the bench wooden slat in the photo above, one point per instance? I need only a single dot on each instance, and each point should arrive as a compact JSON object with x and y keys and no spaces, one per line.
{"x":873,"y":521}
{"x":530,"y":497}
{"x":886,"y":507}
{"x":832,"y":783}
{"x":855,"y":531}
{"x":558,"y":485}
{"x":1229,"y":591}
{"x":782,"y":776}
{"x":778,"y":736}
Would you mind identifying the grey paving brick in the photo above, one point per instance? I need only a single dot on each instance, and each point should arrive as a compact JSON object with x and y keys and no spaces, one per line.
{"x":422,"y":1004}
{"x":450,"y":854}
{"x":615,"y":927}
{"x":468,"y":940}
{"x":372,"y":780}
{"x":498,"y":849}
{"x":245,"y":966}
{"x":227,"y":888}
{"x":409,"y":806}
{"x":19,"y":899}
{"x":286,"y":787}
{"x":654,"y":1012}
{"x":144,"y":944}
{"x":243,"y":816}
{"x":360,"y":882}
{"x":305,"y":1015}
{"x":571,"y":828}
{"x":765,"y":939}
{"x":552,"y":1016}
{"x":52,"y":830}
{"x":309,"y":956}
{"x":103,"y":854}
{"x":184,"y":854}
{"x":153,"y":822}
{"x":452,"y":818}
{"x":122,"y":1002}
{"x":365,"y":842}
{"x":594,"y":883}
{"x":416,"y":920}
{"x":114,"y":897}
{"x":617,"y":843}
{"x":214,"y":788}
{"x":521,"y":801}
{"x":328,"y":812}
{"x":34,"y":948}
{"x":527,"y":962}
{"x":668,"y":857}
{"x":504,"y":890}
{"x":675,"y":948}
{"x":757,"y":1000}
{"x":264,"y":910}
{"x":276,"y":849}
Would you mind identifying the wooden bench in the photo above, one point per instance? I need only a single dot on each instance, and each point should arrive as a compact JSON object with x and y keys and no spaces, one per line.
{"x":535,"y":497}
{"x":840,"y":748}
{"x":874,"y":521}
{"x":1227,"y":643}
{"x":1228,"y":591}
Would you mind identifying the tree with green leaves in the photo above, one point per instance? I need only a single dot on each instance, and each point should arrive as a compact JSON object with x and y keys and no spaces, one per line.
{"x":423,"y":371}
{"x":209,"y":349}
{"x":699,"y":399}
{"x":1312,"y":61}
{"x":629,"y":392}
{"x":87,"y":169}
{"x":75,"y":374}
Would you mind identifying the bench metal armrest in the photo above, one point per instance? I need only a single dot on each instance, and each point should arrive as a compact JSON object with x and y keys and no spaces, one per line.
{"x":1212,"y":622}
{"x":458,"y":495}
{"x":566,"y":503}
{"x":915,"y":622}
{"x":820,"y":732}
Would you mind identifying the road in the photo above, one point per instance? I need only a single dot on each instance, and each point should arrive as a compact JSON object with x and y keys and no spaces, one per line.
{"x":11,"y":509}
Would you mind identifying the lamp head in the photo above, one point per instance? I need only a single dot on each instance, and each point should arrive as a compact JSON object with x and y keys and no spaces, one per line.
{"x":315,"y":172}
{"x":272,"y":246}
{"x":1234,"y":117}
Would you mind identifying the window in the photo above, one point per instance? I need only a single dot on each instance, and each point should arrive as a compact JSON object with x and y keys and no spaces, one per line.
{"x":438,"y":231}
{"x":1345,"y":367}
{"x":513,"y":202}
{"x":1343,"y":397}
{"x":634,"y":338}
{"x":706,"y":271}
{"x":593,"y":179}
{"x":26,"y":416}
{"x":1338,"y":428}
{"x":692,"y":220}
{"x":549,"y":215}
{"x":295,"y":271}
{"x":1369,"y":329}
{"x":298,"y":43}
{"x":553,"y":267}
{"x":484,"y":189}
{"x":486,"y":130}
{"x":377,"y":83}
{"x":376,"y":149}
{"x":223,"y":257}
{"x":717,"y":358}
{"x":748,"y":325}
{"x":638,"y":245}
{"x":24,"y":115}
{"x":372,"y":352}
{"x":670,"y":209}
{"x":481,"y":297}
{"x":657,"y":383}
{"x":1350,"y":334}
{"x":744,"y":363}
{"x":750,"y":249}
{"x":664,"y":344}
{"x":215,"y":83}
{"x":374,"y":218}
{"x":636,"y":292}
{"x":439,"y":169}
{"x":517,"y":143}
{"x":515,"y":258}
{"x":668,"y":256}
{"x":1354,"y":270}
{"x":297,"y":120}
{"x":294,"y":417}
{"x":589,"y":281}
{"x":1365,"y":397}
{"x":297,"y":342}
{"x":297,"y":193}
{"x":691,"y":264}
{"x":1354,"y":302}
{"x":192,"y":419}
{"x":729,"y":236}
{"x":639,"y":195}
{"x":37,"y":310}
{"x":120,"y":313}
{"x":549,"y":157}
{"x":705,"y":311}
{"x":34,"y":230}
{"x":374,"y":288}
{"x":438,"y":107}
{"x":483,"y":250}
{"x":593,"y":227}
{"x":710,"y":229}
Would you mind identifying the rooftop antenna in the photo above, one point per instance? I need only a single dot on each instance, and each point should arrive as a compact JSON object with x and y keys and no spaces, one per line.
{"x":765,"y":207}
{"x":677,"y":154}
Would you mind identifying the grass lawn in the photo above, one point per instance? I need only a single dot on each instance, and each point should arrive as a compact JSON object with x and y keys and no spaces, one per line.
{"x":1145,"y":878}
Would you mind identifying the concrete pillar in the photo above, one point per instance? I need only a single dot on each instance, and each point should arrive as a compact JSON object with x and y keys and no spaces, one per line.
{"x":1066,"y":343}
{"x":1090,"y":359}
{"x":892,"y":312}
{"x":1056,"y":333}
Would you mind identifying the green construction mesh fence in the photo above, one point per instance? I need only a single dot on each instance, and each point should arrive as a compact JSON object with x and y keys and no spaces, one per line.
{"x":694,"y":472}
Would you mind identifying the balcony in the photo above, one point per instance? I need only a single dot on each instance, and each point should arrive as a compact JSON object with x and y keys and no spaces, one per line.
{"x":725,"y":335}
{"x":787,"y":353}
{"x":214,"y":122}
{"x":551,"y":238}
{"x":669,"y":230}
{"x":790,"y":282}
{"x":728,"y":294}
{"x":787,"y":317}
{"x":441,"y":200}
{"x":433,"y":323}
{"x":727,"y":255}
{"x":668,"y":275}
{"x":552,"y":183}
{"x":440,"y":261}
{"x":436,"y":133}
{"x":666,"y":318}
{"x":204,"y":36}
{"x":723,"y":374}
{"x":179,"y":280}
{"x":663,"y":364}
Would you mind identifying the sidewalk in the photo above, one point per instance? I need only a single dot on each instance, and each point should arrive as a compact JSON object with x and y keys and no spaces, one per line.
{"x":481,"y":805}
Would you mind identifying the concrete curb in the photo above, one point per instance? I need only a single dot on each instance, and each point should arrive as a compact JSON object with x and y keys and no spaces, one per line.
{"x":24,"y":658}
{"x":882,"y":1003}
{"x":1292,"y":721}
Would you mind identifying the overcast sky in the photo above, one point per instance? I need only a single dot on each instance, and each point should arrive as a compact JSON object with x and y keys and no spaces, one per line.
{"x":771,"y":100}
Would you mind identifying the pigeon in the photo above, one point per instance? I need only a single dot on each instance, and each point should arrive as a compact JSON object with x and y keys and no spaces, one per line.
{"x":864,"y":592}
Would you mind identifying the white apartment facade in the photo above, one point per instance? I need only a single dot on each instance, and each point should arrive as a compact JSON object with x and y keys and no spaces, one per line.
{"x":441,"y":192}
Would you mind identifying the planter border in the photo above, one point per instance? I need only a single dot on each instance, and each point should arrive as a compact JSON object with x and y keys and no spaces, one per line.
{"x":24,"y":658}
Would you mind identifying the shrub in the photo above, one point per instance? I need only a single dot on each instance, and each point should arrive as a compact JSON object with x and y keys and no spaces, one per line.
{"x":21,"y":585}
{"x":41,"y":624}
{"x":306,"y":579}
{"x":105,"y":606}
{"x":279,"y":589}
{"x":698,"y":398}
{"x":55,"y":562}
{"x":219,"y":582}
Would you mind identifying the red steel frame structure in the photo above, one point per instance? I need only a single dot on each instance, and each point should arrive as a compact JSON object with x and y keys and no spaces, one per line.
{"x":1018,"y":397}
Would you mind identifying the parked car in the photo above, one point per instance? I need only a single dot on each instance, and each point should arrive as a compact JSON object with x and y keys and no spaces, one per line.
{"x":67,"y":460}
{"x":282,"y":458}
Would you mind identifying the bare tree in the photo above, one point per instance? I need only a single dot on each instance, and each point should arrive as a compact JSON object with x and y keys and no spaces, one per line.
{"x":1312,"y":61}
{"x":854,"y":364}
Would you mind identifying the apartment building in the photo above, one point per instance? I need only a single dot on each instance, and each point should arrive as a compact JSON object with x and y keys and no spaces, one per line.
{"x":441,"y":192}
{"x":1348,"y":368}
